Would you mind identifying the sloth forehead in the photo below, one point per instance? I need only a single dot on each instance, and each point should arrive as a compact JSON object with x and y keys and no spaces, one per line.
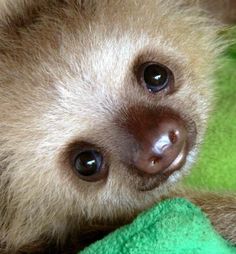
{"x":89,"y":21}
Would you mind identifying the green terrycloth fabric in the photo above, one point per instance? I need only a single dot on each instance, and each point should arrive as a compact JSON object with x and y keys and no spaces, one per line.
{"x":216,"y":168}
{"x":173,"y":226}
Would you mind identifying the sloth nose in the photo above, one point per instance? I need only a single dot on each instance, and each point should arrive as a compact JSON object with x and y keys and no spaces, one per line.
{"x":163,"y":148}
{"x":160,"y":143}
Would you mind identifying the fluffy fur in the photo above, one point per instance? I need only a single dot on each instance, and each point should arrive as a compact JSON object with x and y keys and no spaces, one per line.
{"x":66,"y":73}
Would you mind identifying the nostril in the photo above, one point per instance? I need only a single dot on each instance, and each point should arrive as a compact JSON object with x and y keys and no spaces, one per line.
{"x":173,"y":136}
{"x":166,"y":140}
{"x":154,"y":160}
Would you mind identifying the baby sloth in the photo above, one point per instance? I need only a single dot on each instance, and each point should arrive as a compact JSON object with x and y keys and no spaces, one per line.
{"x":103,"y":107}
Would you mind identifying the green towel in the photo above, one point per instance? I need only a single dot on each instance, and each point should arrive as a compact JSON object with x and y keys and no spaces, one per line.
{"x":173,"y":226}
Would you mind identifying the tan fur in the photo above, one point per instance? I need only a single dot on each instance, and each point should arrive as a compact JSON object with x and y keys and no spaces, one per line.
{"x":66,"y":70}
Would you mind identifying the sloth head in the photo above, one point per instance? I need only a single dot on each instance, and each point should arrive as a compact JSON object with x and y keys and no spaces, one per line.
{"x":102,"y":110}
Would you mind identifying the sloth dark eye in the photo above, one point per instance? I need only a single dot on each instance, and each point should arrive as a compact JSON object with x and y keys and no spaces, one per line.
{"x":88,"y":165}
{"x":155,"y":77}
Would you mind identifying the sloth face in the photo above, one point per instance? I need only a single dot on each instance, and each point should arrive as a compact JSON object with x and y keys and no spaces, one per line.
{"x":100,"y":113}
{"x":151,"y":141}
